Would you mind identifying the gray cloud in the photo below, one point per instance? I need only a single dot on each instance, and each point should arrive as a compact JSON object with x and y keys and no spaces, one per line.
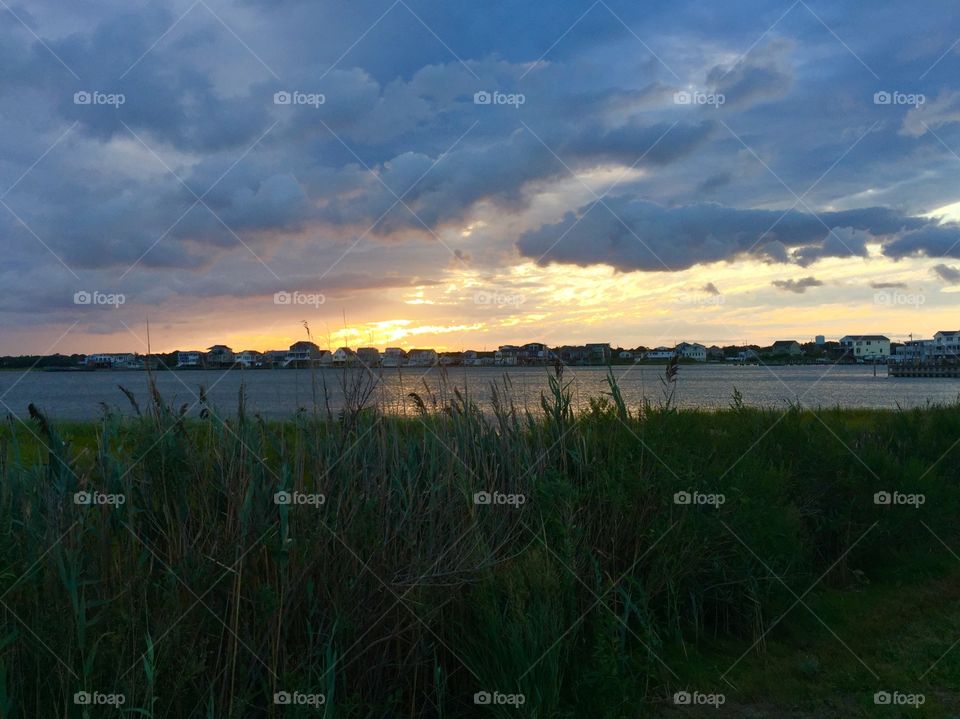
{"x":765,"y":73}
{"x":947,"y":273}
{"x":798,"y":286}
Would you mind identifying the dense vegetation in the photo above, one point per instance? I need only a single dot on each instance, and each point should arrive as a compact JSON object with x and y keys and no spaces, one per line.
{"x":191,"y":592}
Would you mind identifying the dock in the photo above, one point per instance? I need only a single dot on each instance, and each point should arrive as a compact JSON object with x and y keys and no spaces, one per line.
{"x":925,"y":370}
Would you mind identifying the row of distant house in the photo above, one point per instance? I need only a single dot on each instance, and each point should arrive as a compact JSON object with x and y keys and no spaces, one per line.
{"x":869,"y":348}
{"x":944,"y":345}
{"x":305,"y":354}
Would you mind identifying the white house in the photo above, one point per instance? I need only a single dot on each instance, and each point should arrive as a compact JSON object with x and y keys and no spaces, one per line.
{"x":660,"y":353}
{"x":123,"y":359}
{"x":507,"y":355}
{"x":368,"y":356}
{"x":918,"y":351}
{"x":866,"y":346}
{"x":189,"y":359}
{"x":249,"y":358}
{"x":692,"y":350}
{"x":478,"y":358}
{"x":344,"y":356}
{"x":302,"y":354}
{"x":393,"y":357}
{"x":422,"y":357}
{"x":220,"y":355}
{"x":947,"y":344}
{"x":534,"y":353}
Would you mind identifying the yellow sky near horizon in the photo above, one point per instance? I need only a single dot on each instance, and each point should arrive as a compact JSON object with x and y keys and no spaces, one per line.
{"x":560,"y":304}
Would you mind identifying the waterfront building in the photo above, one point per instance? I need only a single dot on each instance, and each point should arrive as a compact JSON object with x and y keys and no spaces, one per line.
{"x":864,"y":347}
{"x":691,"y":350}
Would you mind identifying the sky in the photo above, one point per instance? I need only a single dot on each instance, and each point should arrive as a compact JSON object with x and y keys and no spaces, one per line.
{"x":463,"y":175}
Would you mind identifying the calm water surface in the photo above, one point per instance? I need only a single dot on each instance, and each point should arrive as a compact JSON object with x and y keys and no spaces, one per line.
{"x":279,"y":393}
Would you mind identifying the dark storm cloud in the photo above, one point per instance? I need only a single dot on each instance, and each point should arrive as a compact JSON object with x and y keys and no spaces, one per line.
{"x":933,"y":240}
{"x":630,"y":234}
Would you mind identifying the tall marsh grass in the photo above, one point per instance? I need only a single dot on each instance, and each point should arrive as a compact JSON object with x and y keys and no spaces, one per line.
{"x":399,"y":595}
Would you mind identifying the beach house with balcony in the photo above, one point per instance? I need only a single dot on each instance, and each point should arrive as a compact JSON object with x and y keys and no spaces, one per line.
{"x":302,"y":354}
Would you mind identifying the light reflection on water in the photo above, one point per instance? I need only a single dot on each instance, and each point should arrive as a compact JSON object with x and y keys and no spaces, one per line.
{"x":279,"y":393}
